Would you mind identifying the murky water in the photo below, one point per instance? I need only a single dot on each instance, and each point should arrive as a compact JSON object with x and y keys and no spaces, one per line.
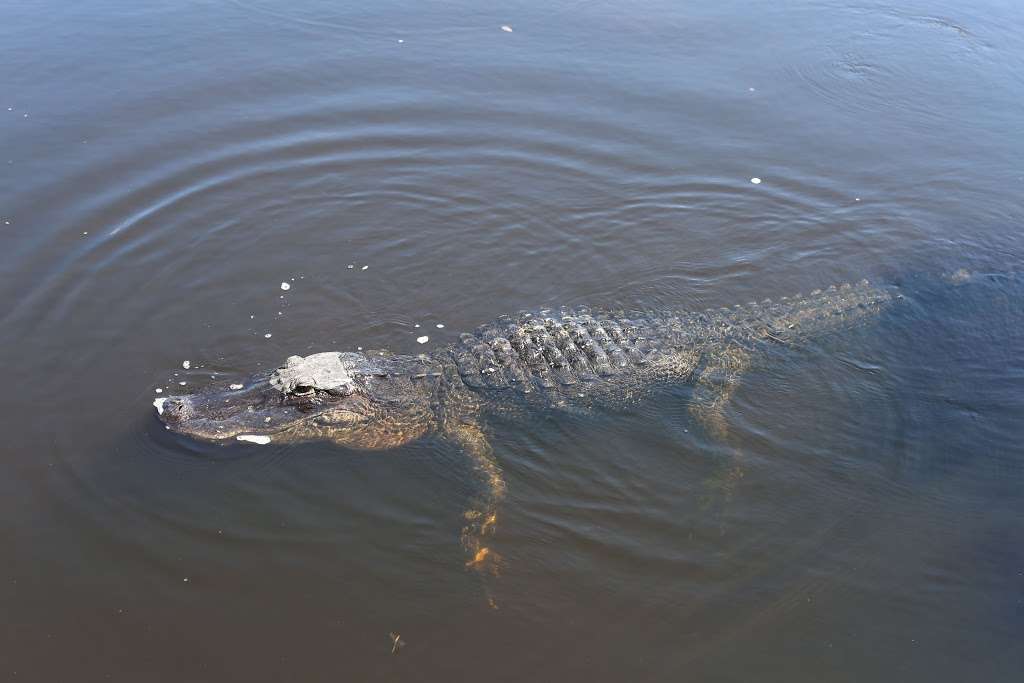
{"x":165,"y":166}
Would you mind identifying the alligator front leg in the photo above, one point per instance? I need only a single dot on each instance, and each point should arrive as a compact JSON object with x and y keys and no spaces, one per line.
{"x":716,"y":382}
{"x":482,"y":516}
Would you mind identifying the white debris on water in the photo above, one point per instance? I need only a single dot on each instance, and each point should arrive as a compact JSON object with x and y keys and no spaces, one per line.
{"x":506,"y":29}
{"x":158,"y":403}
{"x":416,"y":325}
{"x":182,"y":382}
{"x":364,"y":267}
{"x":254,"y":438}
{"x":235,"y":387}
{"x":159,"y":390}
{"x":185,"y":364}
{"x":423,"y":340}
{"x":351,"y":266}
{"x":400,"y":40}
{"x":756,"y":181}
{"x":440,"y":326}
{"x":285,"y":286}
{"x":268,"y":335}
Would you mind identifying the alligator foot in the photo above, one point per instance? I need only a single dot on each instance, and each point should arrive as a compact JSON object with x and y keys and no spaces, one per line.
{"x":482,"y":516}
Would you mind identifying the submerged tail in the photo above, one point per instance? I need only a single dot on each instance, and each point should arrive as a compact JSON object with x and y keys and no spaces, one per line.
{"x":823,"y":311}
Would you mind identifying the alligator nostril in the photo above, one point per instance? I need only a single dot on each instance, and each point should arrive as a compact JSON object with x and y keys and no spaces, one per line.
{"x":172,"y":408}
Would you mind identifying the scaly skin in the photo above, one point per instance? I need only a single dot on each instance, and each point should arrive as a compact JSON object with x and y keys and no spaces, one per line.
{"x":574,"y":359}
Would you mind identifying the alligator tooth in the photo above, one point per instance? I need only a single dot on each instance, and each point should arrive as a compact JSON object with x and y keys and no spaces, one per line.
{"x":254,"y":438}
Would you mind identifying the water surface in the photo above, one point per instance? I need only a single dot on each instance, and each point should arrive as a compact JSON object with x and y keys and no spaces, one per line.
{"x":165,"y":166}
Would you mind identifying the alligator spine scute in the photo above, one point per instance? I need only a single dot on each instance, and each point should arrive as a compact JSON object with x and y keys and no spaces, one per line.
{"x":576,"y":345}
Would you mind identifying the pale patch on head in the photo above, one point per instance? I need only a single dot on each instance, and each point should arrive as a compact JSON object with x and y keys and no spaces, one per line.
{"x":319,"y":370}
{"x":254,"y":438}
{"x":159,"y":405}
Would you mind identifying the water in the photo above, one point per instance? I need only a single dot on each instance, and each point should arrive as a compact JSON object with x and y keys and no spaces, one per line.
{"x":165,"y":166}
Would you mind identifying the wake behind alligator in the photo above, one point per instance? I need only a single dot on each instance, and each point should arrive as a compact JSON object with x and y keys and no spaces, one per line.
{"x":574,"y":359}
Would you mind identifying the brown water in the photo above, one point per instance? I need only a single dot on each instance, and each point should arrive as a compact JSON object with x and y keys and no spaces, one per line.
{"x":164,"y":166}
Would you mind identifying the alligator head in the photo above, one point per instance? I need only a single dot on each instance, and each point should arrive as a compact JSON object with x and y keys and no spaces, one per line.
{"x":356,"y":399}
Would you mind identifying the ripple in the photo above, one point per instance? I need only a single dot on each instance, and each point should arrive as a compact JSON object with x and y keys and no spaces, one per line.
{"x":897,"y":62}
{"x":143,"y":219}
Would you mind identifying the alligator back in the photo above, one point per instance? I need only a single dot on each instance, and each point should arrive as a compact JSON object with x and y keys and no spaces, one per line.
{"x":566,"y":350}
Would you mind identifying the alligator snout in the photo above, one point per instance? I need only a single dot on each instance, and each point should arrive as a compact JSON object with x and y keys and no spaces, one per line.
{"x":220,"y":414}
{"x":172,"y":408}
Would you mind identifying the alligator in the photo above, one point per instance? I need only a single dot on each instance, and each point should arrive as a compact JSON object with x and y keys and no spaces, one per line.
{"x":571,"y":359}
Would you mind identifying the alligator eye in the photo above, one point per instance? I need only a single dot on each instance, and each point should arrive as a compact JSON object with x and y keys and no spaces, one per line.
{"x":303,"y":390}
